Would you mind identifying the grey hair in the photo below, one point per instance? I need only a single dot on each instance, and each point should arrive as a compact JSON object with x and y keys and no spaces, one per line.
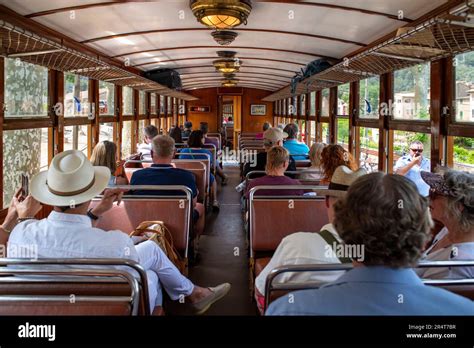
{"x":461,"y":185}
{"x":416,"y":142}
{"x":315,"y":153}
{"x":163,"y":146}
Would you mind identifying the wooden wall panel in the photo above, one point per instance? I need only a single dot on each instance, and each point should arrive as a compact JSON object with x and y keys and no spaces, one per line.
{"x":207,"y":97}
{"x":255,"y":123}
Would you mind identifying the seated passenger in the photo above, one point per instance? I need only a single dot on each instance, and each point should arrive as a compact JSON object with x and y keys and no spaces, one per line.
{"x":69,"y":185}
{"x":296,"y":148}
{"x":332,"y":157}
{"x":310,"y":247}
{"x":149,"y":132}
{"x":175,"y":133}
{"x":452,"y":204}
{"x":272,"y":137}
{"x":188,"y":128}
{"x":162,"y":172}
{"x":384,"y":217}
{"x":266,"y":126}
{"x":278,"y":159}
{"x":204,"y":127}
{"x":105,"y":155}
{"x":316,"y":166}
{"x":195,"y":143}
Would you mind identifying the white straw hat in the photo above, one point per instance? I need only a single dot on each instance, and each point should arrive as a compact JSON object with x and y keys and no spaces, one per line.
{"x":70,"y":180}
{"x":342,"y":178}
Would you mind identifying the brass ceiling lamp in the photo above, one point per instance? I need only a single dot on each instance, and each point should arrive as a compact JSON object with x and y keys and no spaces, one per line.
{"x":224,"y":37}
{"x":221,"y":14}
{"x":228,"y":64}
{"x":230,"y":83}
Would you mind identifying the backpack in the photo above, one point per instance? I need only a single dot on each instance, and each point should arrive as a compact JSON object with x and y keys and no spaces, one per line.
{"x":159,"y":233}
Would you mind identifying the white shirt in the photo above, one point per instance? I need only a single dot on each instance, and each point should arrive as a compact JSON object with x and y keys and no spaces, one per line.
{"x":297,"y":249}
{"x":453,"y":252}
{"x":312,"y":175}
{"x":144,"y":149}
{"x":63,"y":235}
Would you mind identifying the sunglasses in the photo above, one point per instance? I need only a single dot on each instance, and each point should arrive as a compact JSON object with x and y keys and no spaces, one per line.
{"x":417,"y":150}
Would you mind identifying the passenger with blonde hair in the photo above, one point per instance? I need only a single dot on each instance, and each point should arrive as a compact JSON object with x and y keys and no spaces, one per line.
{"x":316,"y":169}
{"x":105,"y":155}
{"x":334,"y":156}
{"x":451,"y":196}
{"x":278,"y":159}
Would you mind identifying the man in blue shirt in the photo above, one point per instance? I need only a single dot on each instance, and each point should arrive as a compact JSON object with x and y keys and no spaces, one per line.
{"x":412,"y":164}
{"x":293,"y":146}
{"x":162,"y":172}
{"x":387,"y":222}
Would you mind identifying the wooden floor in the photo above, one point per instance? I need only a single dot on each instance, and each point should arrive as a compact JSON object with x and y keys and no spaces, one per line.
{"x":223,"y":253}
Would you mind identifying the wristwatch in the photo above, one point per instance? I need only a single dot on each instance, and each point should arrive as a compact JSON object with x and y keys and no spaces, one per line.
{"x":91,"y":215}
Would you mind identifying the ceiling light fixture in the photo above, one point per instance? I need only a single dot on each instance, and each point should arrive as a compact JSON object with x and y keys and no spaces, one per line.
{"x":224,"y":37}
{"x":230,"y":83}
{"x":221,"y":14}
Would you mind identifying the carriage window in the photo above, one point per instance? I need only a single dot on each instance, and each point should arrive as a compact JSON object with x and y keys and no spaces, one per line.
{"x":106,"y":98}
{"x":26,"y":89}
{"x":75,"y":138}
{"x":127,"y":138}
{"x":343,"y":132}
{"x":169,"y":106}
{"x":303,"y":105}
{"x":325,"y":102}
{"x":162,"y":104}
{"x":76,"y":95}
{"x":153,"y":103}
{"x":369,"y":148}
{"x":312,"y":104}
{"x":25,"y":151}
{"x":106,"y":131}
{"x":141,"y":103}
{"x":325,"y":138}
{"x":402,"y":141}
{"x":141,"y":136}
{"x":312,"y":132}
{"x":464,"y":68}
{"x":411,"y":93}
{"x":343,"y":99}
{"x":127,"y":101}
{"x":369,"y":97}
{"x":463,"y":152}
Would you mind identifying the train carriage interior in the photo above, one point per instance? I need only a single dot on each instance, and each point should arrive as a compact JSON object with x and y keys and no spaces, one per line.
{"x":236,"y":157}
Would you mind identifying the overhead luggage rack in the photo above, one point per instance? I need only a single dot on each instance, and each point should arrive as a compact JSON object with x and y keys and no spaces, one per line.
{"x":439,"y":37}
{"x":18,"y":43}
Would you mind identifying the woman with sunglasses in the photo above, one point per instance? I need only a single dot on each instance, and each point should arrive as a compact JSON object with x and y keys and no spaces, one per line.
{"x":411,"y":165}
{"x":451,"y":203}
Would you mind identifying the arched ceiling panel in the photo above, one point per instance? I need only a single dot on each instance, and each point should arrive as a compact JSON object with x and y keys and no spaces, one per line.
{"x":176,"y":40}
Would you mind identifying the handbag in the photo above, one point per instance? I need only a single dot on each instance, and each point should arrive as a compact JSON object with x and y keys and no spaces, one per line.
{"x":159,"y":233}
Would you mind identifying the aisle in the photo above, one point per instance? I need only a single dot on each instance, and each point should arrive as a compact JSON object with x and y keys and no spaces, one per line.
{"x":223,"y":238}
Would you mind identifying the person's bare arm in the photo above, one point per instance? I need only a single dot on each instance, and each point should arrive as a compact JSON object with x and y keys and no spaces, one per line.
{"x":405,"y":169}
{"x":29,"y":207}
{"x":110,"y":196}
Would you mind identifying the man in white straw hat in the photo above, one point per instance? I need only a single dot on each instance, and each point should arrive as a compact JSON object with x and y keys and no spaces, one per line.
{"x":69,"y":185}
{"x":311,"y":248}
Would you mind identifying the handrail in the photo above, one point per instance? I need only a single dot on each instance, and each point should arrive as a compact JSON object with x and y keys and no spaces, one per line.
{"x":269,"y":287}
{"x":135,"y":287}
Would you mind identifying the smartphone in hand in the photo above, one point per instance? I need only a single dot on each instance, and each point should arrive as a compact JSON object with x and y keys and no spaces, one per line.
{"x":24,"y":187}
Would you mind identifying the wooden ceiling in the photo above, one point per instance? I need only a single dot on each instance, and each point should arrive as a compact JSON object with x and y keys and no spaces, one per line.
{"x":281,"y":37}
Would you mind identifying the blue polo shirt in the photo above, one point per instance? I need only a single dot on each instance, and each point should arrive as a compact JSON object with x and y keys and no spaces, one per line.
{"x":374,"y":290}
{"x":163,"y":174}
{"x":295,"y":147}
{"x":414,"y":173}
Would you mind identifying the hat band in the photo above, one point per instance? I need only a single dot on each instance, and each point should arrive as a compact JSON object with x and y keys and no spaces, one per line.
{"x":73,"y":193}
{"x":337,"y":187}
